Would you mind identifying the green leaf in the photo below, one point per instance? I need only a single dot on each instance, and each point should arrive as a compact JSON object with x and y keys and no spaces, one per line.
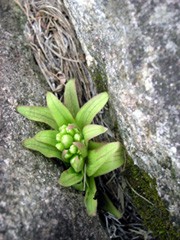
{"x":39,"y":114}
{"x":115,"y":161}
{"x":93,"y":145}
{"x":98,"y":156}
{"x":47,"y":136}
{"x":92,"y":130}
{"x":45,"y":149}
{"x":79,"y":186}
{"x":70,"y":177}
{"x":90,"y":202}
{"x":89,"y":110}
{"x":59,"y":112}
{"x":70,"y":97}
{"x":109,"y":207}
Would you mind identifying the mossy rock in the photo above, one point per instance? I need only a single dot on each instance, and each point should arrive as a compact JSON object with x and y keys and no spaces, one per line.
{"x":142,"y":188}
{"x":150,"y":206}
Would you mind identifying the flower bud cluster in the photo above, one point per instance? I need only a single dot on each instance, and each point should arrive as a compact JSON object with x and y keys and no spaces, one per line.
{"x":67,"y":139}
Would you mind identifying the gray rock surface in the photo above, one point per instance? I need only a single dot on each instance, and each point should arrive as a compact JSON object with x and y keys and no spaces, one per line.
{"x":32,"y":204}
{"x":135,"y":44}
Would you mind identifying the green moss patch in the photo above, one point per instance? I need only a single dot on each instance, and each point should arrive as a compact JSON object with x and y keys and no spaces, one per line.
{"x":99,"y":77}
{"x":153,"y":211}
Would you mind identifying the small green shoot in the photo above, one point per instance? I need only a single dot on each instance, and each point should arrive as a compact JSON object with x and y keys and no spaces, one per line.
{"x":71,"y":141}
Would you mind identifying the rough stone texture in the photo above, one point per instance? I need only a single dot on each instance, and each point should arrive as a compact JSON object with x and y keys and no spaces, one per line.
{"x":32,"y":204}
{"x":137,"y":43}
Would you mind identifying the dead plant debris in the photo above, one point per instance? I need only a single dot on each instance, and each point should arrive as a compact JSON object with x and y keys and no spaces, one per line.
{"x":56,"y":49}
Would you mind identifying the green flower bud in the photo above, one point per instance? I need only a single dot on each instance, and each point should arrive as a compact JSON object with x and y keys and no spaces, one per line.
{"x":77,"y":163}
{"x":76,"y":130}
{"x":60,"y":146}
{"x":58,"y":137}
{"x":73,"y":149}
{"x":67,"y":140}
{"x":77,"y":137}
{"x":70,"y":131}
{"x":63,"y":131}
{"x":62,"y":127}
{"x":70,"y":126}
{"x":68,"y":155}
{"x":64,"y":152}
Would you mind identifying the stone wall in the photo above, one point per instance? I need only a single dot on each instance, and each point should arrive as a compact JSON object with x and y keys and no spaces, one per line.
{"x":32,"y":203}
{"x":135,"y":44}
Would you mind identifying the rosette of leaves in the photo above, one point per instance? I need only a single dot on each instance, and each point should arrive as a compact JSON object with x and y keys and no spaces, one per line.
{"x":70,"y":140}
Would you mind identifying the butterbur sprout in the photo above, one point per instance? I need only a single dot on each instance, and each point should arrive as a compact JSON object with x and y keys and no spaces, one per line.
{"x":70,"y":140}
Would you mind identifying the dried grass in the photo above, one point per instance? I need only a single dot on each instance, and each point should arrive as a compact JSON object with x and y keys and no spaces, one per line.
{"x":56,"y":49}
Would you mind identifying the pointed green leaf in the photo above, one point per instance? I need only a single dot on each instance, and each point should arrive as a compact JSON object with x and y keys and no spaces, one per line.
{"x":70,"y":177}
{"x":115,"y":161}
{"x":93,"y":145}
{"x":39,"y":114}
{"x":109,"y":207}
{"x":70,"y":97}
{"x":90,"y":202}
{"x":93,"y":130}
{"x":89,"y":110}
{"x":47,"y":136}
{"x":79,"y":186}
{"x":45,"y":149}
{"x":59,"y":112}
{"x":97,"y":157}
